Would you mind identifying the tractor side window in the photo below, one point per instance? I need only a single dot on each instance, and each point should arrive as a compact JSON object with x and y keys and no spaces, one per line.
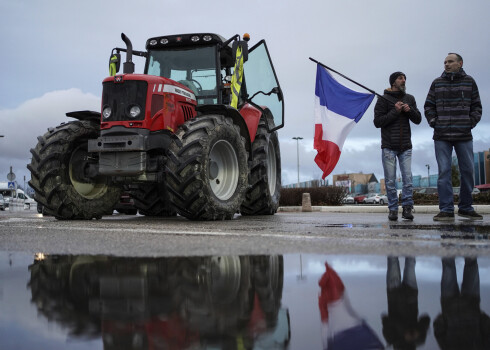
{"x":193,"y":67}
{"x":260,"y":76}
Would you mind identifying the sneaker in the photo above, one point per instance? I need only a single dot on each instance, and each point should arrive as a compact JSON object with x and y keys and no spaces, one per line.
{"x":407,"y":212}
{"x":472,"y":215}
{"x":393,"y":215}
{"x":444,"y":216}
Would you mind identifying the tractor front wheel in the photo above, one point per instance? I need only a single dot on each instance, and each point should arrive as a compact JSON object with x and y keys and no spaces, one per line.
{"x":207,"y":172}
{"x":58,"y":166}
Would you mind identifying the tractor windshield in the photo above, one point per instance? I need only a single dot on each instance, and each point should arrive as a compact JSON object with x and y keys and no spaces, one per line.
{"x":193,"y":67}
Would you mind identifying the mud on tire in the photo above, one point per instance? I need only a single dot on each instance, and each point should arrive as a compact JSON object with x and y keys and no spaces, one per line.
{"x":264,"y":191}
{"x":207,"y":172}
{"x":152,"y":200}
{"x":57,"y":163}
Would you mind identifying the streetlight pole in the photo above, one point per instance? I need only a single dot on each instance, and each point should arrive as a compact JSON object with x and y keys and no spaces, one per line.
{"x":428,"y":174}
{"x":297,"y":152}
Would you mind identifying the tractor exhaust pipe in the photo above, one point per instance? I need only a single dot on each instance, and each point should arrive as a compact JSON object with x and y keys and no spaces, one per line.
{"x":128,"y":66}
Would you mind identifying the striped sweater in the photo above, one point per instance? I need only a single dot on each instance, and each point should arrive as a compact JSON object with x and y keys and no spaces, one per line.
{"x":453,"y":106}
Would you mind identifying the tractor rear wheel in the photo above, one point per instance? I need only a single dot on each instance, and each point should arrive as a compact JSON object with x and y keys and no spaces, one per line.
{"x":207,"y":172}
{"x":152,"y":200}
{"x":58,"y":166}
{"x":264,"y":192}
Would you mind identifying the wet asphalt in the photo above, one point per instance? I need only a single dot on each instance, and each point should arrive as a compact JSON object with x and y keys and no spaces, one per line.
{"x":354,"y":229}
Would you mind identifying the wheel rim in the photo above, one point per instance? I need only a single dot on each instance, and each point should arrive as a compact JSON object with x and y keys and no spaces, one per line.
{"x":223,"y":170}
{"x":89,"y":190}
{"x":224,"y":278}
{"x":271,"y":168}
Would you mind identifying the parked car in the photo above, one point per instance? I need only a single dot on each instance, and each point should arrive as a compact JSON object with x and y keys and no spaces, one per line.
{"x":25,"y":198}
{"x":359,"y":198}
{"x":375,"y":198}
{"x":2,"y":203}
{"x":349,"y":199}
{"x":483,"y":188}
{"x":428,"y":190}
{"x":126,"y":205}
{"x":457,"y":189}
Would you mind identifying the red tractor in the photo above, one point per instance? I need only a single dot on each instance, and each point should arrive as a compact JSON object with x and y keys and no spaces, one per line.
{"x":196,"y":134}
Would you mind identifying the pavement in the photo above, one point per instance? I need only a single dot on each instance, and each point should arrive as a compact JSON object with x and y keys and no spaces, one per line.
{"x":368,"y":208}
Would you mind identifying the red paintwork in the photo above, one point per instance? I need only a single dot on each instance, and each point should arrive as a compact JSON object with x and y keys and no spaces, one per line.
{"x":359,"y":198}
{"x":171,"y":115}
{"x":251,"y":115}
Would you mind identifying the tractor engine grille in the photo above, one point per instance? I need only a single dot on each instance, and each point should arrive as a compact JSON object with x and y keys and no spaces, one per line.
{"x":120,"y":97}
{"x":188,"y":112}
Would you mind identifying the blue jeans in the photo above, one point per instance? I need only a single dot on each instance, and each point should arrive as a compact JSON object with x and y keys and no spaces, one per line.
{"x":389,"y":166}
{"x":464,"y":152}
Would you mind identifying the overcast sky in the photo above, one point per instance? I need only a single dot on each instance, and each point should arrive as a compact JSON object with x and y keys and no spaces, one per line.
{"x":54,"y":56}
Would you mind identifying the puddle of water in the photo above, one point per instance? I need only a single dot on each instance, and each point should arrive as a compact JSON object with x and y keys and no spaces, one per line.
{"x":460,"y":230}
{"x":242,"y":302}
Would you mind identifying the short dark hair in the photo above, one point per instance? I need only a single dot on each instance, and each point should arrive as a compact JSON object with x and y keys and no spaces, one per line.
{"x":457,"y":55}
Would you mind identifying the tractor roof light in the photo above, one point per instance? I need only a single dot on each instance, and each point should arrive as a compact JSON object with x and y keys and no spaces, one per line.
{"x":195,"y":38}
{"x":164,"y":41}
{"x":153,"y":42}
{"x":246,"y":37}
{"x":207,"y":38}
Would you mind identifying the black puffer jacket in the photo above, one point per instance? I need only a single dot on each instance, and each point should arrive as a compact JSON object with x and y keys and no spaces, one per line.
{"x":395,"y":127}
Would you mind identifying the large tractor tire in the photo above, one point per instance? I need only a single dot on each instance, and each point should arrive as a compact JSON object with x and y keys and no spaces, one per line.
{"x":152,"y":200}
{"x":268,"y":282}
{"x":219,"y":299}
{"x":264,"y":192}
{"x":207,"y":172}
{"x":57,"y":168}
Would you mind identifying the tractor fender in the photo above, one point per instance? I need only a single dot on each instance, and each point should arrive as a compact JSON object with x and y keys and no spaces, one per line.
{"x":85,"y":115}
{"x":247,"y":130}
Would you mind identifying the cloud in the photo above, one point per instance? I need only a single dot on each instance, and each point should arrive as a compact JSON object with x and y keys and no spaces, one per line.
{"x":365,"y":42}
{"x":21,"y":126}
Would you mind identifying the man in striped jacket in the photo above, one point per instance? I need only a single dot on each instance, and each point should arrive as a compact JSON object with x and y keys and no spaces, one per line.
{"x":453,"y":108}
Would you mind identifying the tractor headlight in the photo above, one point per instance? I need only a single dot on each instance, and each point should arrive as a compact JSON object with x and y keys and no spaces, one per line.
{"x":106,"y":112}
{"x":134,"y":111}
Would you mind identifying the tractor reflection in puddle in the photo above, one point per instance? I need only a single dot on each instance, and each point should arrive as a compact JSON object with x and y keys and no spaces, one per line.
{"x":164,"y":303}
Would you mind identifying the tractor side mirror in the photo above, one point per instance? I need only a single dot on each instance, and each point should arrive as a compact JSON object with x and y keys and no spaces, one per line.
{"x":114,"y":64}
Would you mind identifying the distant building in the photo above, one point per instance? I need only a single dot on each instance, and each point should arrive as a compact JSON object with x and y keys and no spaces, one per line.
{"x":356,"y":182}
{"x":482,"y":167}
{"x":308,"y":184}
{"x":368,"y":183}
{"x":481,"y":163}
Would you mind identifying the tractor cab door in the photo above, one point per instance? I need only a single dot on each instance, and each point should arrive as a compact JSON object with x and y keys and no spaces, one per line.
{"x":262,"y":85}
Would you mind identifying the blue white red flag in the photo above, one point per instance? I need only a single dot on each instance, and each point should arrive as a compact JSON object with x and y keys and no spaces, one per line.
{"x":337,"y":111}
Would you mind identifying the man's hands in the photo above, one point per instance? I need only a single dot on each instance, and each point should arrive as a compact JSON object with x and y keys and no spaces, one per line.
{"x":402,"y":107}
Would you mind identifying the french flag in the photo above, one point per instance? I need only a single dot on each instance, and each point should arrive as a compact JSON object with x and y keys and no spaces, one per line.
{"x":337,"y":111}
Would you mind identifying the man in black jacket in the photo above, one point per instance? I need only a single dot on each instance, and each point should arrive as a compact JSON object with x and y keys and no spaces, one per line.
{"x":393,"y":114}
{"x":453,"y":107}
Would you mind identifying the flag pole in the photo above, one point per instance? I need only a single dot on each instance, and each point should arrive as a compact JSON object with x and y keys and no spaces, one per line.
{"x":355,"y":82}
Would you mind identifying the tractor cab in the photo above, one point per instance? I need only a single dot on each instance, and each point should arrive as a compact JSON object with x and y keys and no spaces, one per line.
{"x":199,"y":62}
{"x":205,"y":63}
